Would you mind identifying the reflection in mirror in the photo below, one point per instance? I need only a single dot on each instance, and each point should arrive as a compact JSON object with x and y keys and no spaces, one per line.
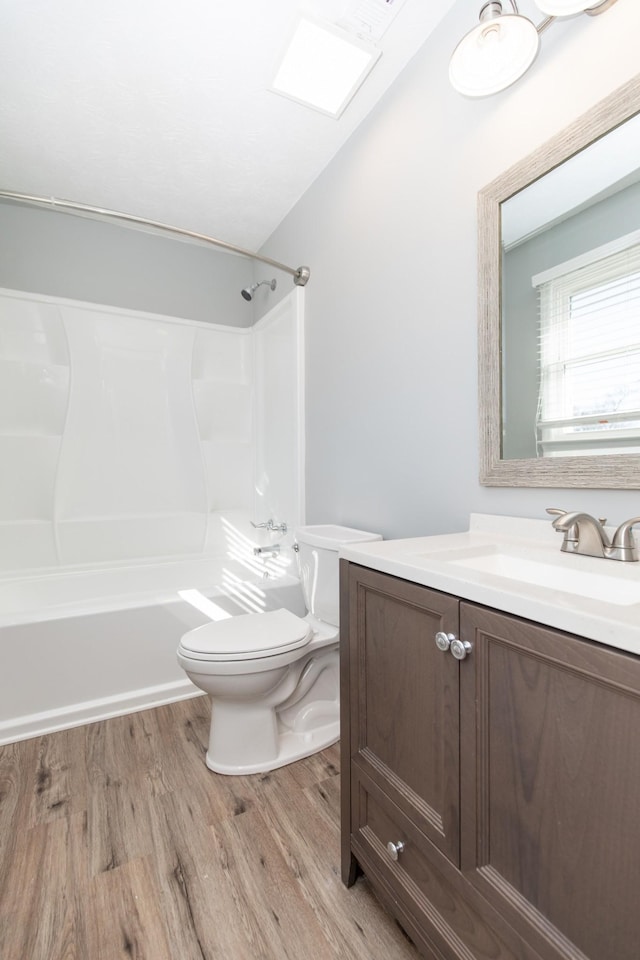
{"x":560,"y":308}
{"x":571,"y":303}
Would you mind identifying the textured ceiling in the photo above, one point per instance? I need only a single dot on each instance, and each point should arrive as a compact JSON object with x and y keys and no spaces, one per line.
{"x":162,"y":109}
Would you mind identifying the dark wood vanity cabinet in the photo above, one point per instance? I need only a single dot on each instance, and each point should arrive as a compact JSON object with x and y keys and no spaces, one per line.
{"x":493,"y":802}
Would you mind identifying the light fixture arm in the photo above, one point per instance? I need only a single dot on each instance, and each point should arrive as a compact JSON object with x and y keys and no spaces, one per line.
{"x":599,"y":8}
{"x":542,"y":26}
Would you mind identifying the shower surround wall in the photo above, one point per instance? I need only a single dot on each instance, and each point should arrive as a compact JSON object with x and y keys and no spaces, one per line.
{"x":135,"y":451}
{"x":128,"y":436}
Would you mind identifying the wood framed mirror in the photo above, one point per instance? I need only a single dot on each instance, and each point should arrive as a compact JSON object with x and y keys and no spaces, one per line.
{"x":571,"y":203}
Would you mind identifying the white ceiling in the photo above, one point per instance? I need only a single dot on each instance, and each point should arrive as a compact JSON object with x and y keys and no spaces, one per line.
{"x":161,"y":109}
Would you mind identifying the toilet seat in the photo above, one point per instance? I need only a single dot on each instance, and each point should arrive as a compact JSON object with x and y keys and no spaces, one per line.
{"x":248,"y":637}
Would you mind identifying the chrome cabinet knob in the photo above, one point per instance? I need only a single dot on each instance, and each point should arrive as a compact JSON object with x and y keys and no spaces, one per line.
{"x":460,"y":649}
{"x":395,"y":849}
{"x":444,"y":640}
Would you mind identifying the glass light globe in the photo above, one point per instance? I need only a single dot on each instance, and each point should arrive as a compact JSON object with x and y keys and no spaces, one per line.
{"x":564,"y":8}
{"x":493,"y":55}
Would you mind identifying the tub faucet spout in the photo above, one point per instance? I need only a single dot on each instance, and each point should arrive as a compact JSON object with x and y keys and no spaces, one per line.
{"x":273,"y":549}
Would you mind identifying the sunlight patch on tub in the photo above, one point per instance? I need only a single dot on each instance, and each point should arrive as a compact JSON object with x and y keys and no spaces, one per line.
{"x":246,"y":595}
{"x":251,"y":589}
{"x":204,"y":604}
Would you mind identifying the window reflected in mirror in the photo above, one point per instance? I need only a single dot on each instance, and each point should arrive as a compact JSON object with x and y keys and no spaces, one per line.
{"x":589,"y":355}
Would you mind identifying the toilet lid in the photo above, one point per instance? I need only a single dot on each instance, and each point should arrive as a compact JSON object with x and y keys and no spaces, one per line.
{"x":247,"y":637}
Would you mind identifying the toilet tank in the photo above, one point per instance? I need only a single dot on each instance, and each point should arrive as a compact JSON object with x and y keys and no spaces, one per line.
{"x":318,"y":565}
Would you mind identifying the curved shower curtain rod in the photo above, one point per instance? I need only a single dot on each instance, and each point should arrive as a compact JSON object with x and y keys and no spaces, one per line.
{"x":300,"y":276}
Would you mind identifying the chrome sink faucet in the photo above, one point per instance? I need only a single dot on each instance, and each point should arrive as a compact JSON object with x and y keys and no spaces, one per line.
{"x":585,"y":535}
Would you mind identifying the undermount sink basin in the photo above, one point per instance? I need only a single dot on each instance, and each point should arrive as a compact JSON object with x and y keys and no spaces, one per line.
{"x":610,"y":586}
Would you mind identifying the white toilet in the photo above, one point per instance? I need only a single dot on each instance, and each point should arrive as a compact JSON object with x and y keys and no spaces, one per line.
{"x":273,"y":678}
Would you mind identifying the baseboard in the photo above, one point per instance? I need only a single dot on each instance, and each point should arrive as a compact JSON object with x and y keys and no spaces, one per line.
{"x":75,"y":715}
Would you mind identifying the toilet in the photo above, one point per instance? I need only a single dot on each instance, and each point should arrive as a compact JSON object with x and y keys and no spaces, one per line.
{"x":273,"y":678}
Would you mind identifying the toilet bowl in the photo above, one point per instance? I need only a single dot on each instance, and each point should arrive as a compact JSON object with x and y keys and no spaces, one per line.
{"x":273,"y":678}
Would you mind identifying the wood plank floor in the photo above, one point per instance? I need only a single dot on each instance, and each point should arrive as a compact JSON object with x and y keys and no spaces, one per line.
{"x":116,"y":841}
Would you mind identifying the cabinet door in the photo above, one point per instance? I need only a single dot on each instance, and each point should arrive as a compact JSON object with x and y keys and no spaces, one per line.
{"x":404,"y":695}
{"x":550,"y":741}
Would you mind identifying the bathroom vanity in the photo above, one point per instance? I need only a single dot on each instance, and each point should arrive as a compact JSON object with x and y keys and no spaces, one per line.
{"x":491,"y":742}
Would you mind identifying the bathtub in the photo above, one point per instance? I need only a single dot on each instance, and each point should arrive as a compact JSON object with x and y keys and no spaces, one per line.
{"x":86,"y":645}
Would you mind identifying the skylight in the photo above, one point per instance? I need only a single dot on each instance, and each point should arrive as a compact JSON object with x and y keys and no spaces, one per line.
{"x":323,"y":66}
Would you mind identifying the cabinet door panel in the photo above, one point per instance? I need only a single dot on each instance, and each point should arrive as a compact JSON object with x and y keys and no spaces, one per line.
{"x":405,"y":699}
{"x":551,"y":754}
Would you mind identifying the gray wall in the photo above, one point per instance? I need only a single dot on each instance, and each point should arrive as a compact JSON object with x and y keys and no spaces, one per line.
{"x":62,"y":255}
{"x":389,"y":231}
{"x":607,"y":220}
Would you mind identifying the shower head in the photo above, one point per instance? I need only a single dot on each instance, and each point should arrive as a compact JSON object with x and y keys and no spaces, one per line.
{"x":248,"y":292}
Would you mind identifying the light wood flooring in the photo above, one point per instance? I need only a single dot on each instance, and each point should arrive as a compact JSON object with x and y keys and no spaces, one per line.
{"x":116,"y":841}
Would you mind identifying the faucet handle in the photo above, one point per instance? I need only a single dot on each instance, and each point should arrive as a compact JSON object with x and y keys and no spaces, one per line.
{"x":556,"y":512}
{"x":570,"y":532}
{"x":623,"y":537}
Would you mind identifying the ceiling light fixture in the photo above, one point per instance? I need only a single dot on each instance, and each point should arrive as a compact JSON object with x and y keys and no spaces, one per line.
{"x":323,"y":66}
{"x":502,"y":47}
{"x":566,"y":8}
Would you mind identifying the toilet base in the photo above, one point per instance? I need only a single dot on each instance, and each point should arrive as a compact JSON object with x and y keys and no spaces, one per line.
{"x":296,"y":714}
{"x":292,"y":746}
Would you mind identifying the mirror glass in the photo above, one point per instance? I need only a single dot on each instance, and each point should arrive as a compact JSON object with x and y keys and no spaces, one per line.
{"x":560,"y":308}
{"x":570,"y":249}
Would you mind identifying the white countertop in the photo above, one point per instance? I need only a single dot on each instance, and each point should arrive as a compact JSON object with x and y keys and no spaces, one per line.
{"x":594,"y":598}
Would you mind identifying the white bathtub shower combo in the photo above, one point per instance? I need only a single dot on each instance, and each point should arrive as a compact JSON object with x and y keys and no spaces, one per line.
{"x":273,"y":678}
{"x":136,"y":451}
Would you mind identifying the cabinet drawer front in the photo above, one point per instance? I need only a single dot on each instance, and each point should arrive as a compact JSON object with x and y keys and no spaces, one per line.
{"x":551,"y":754}
{"x":429,"y":888}
{"x":404,"y":696}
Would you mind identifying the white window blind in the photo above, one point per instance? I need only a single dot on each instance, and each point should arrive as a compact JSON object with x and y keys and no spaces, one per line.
{"x":589,"y":356}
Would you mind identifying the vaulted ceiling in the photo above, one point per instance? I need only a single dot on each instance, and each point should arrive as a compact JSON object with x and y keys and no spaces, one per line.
{"x":162,"y":109}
